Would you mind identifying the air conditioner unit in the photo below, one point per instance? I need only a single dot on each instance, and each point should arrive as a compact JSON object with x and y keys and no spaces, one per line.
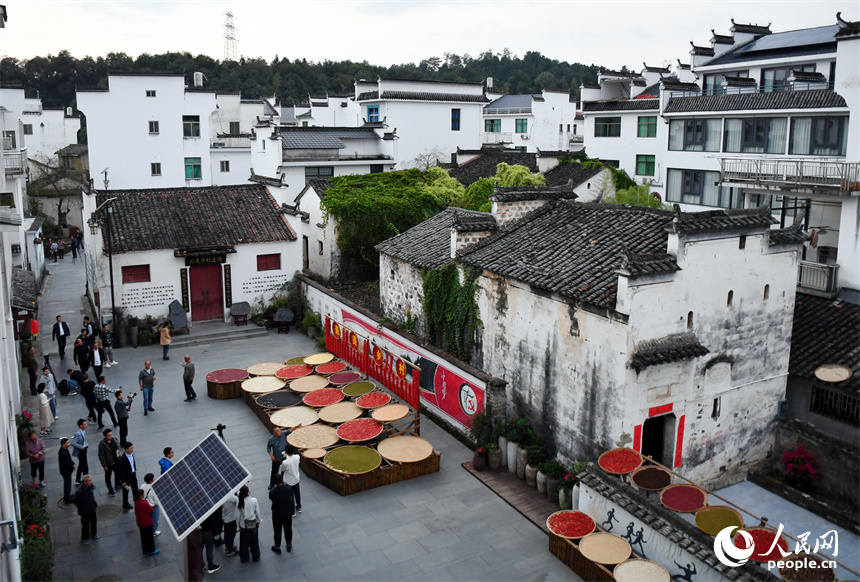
{"x":524,"y":136}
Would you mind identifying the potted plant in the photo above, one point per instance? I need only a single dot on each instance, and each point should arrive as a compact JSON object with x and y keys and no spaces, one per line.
{"x":801,"y":468}
{"x":565,"y":490}
{"x":133,"y":330}
{"x":25,"y":424}
{"x":534,"y":457}
{"x":514,"y":434}
{"x":311,"y":323}
{"x":481,"y":429}
{"x":502,"y":441}
{"x":528,"y":439}
{"x":494,"y":456}
{"x":554,"y":472}
{"x":479,"y":461}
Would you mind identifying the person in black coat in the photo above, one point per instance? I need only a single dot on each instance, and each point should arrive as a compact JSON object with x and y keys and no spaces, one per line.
{"x":127,"y":471}
{"x":88,"y":391}
{"x":82,"y":354}
{"x":61,"y":332}
{"x":283,"y":508}
{"x":67,"y":467}
{"x":85,"y":501}
{"x":208,"y":529}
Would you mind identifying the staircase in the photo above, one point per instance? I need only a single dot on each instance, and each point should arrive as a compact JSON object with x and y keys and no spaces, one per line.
{"x":217,"y":332}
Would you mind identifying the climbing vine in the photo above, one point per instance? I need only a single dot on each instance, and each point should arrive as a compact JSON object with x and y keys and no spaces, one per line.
{"x":451,"y":309}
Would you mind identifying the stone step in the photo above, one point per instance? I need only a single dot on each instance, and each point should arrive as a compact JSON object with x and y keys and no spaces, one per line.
{"x":205,"y":334}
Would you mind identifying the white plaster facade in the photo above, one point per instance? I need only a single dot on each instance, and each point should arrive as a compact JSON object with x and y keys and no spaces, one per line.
{"x":41,"y":130}
{"x":544,"y":122}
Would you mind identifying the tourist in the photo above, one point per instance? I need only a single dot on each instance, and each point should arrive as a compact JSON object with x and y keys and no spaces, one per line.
{"x":101,"y":391}
{"x":165,"y":339}
{"x":122,"y":408}
{"x":81,"y":352}
{"x":67,"y":467}
{"x":79,"y":449}
{"x":50,"y":389}
{"x":35,"y":449}
{"x":46,"y":419}
{"x":165,"y":463}
{"x":150,"y":498}
{"x":60,"y":332}
{"x":97,"y":357}
{"x":146,"y":380}
{"x":283,"y":510}
{"x":249,"y":526}
{"x":208,"y":528}
{"x":85,"y":501}
{"x":108,"y":454}
{"x":143,"y":514}
{"x":230,"y":517}
{"x":127,"y":474}
{"x":91,"y":331}
{"x":275,"y":447}
{"x":188,"y":378}
{"x":290,"y":470}
{"x":32,"y":369}
{"x":88,"y":391}
{"x":106,"y":338}
{"x":61,"y":247}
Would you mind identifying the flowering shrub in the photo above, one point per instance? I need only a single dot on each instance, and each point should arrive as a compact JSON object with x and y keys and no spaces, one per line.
{"x":800,"y":465}
{"x":568,"y":481}
{"x":481,"y":451}
{"x":37,"y":551}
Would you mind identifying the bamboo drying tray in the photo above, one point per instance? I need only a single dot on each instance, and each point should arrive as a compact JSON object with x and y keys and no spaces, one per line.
{"x":405,"y":449}
{"x":316,"y":436}
{"x":317,"y":359}
{"x":339,"y":460}
{"x":358,"y":388}
{"x":340,"y":412}
{"x":296,"y":361}
{"x":604,"y":548}
{"x":294,"y":416}
{"x":265,"y":369}
{"x":314,"y":453}
{"x":309,"y":383}
{"x":279,"y":399}
{"x":641,"y":571}
{"x":262,"y":384}
{"x":390,"y":413}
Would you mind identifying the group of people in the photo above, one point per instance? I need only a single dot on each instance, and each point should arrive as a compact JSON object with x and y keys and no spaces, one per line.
{"x":57,"y":247}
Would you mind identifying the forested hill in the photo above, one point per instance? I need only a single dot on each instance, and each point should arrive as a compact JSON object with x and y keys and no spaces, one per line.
{"x":56,"y":77}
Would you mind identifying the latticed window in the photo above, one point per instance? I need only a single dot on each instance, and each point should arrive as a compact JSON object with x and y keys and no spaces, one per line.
{"x":836,"y":404}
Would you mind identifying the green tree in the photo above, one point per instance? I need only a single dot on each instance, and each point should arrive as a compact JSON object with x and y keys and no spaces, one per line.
{"x":477,"y":195}
{"x":636,"y":196}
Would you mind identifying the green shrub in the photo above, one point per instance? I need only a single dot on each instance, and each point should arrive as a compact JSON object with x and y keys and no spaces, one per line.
{"x":553,"y":469}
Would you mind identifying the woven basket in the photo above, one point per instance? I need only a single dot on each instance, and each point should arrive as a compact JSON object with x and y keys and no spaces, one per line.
{"x":405,"y":449}
{"x":340,"y":412}
{"x":264,"y":369}
{"x":317,"y":359}
{"x":316,"y":436}
{"x":309,"y":383}
{"x":390,"y":413}
{"x":294,"y":416}
{"x":262,"y":384}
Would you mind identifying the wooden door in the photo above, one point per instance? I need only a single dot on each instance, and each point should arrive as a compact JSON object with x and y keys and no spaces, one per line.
{"x":207,"y":292}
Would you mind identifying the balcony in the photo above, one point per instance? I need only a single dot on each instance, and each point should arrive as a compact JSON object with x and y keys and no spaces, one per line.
{"x":507,"y":110}
{"x":496,"y":137}
{"x":230,"y":141}
{"x":14,"y":162}
{"x":818,"y":279}
{"x":809,"y":176}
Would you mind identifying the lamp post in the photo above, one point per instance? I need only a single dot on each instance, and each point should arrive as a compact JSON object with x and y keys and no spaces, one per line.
{"x":94,"y":231}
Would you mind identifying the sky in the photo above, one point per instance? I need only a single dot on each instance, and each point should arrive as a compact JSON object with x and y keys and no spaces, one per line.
{"x":385,"y":32}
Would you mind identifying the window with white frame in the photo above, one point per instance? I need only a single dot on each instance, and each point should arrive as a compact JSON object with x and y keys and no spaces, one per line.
{"x":607,"y":127}
{"x":150,"y":92}
{"x":155,"y":168}
{"x":645,"y":165}
{"x":700,"y":187}
{"x":492,"y":125}
{"x":28,"y":129}
{"x":191,"y":126}
{"x":455,"y":120}
{"x":235,"y":128}
{"x":153,"y":128}
{"x":318,"y":173}
{"x":521,"y":126}
{"x":776,"y":79}
{"x":225,"y":165}
{"x":647,"y":126}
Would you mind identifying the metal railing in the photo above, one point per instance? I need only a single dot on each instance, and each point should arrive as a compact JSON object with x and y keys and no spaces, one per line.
{"x":818,"y":277}
{"x":496,"y":137}
{"x":230,"y":142}
{"x":798,"y":174}
{"x":576,"y":139}
{"x":13,"y":163}
{"x":506,"y":110}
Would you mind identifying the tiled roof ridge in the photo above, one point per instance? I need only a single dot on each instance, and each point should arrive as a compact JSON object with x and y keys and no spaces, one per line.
{"x":846,"y":27}
{"x":178,"y":189}
{"x":470,"y":83}
{"x":521,"y":193}
{"x":473,"y":221}
{"x":722,"y":38}
{"x":511,"y":226}
{"x":750,"y":28}
{"x":668,"y":349}
{"x":721,"y":219}
{"x":644,"y":263}
{"x":817,"y":99}
{"x":789,"y":235}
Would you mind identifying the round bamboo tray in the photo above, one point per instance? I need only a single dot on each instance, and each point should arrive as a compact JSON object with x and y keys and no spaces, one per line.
{"x":762,"y":537}
{"x":309,"y":383}
{"x":317,"y":359}
{"x":342,"y":378}
{"x":684,"y":498}
{"x":315,"y":453}
{"x":359,"y":430}
{"x":641,"y":571}
{"x":265,"y":369}
{"x":715,"y":518}
{"x":262,"y":384}
{"x":293,"y":372}
{"x":352,"y":460}
{"x":373,"y":400}
{"x":323,"y":397}
{"x":225,"y":384}
{"x":330,"y":368}
{"x":340,"y":412}
{"x":279,"y":399}
{"x":294,"y":416}
{"x":562,"y":522}
{"x":358,"y":388}
{"x":295,"y":361}
{"x":651,"y":478}
{"x":405,"y":449}
{"x":604,"y":548}
{"x":315,"y":436}
{"x":628,"y":460}
{"x":822,"y":571}
{"x":390,"y":413}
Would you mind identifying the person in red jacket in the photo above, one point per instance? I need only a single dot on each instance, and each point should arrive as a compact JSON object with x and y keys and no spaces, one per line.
{"x":143,"y":513}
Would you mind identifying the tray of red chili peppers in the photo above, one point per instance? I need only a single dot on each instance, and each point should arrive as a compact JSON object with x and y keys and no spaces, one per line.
{"x":619,"y":461}
{"x":570,"y":524}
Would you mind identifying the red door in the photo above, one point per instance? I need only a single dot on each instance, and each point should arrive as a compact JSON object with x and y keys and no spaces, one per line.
{"x":207,"y":295}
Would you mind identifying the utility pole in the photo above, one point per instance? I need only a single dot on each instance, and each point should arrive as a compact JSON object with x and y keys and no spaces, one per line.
{"x":229,"y":38}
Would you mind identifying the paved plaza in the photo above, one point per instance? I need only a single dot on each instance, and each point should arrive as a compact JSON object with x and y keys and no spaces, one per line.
{"x":445,"y":526}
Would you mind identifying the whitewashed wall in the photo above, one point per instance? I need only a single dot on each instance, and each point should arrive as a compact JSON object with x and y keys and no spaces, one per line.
{"x":401,"y":292}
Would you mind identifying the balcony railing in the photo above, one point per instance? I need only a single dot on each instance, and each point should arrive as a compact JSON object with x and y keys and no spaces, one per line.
{"x":818,"y":278}
{"x":506,"y":110}
{"x":796,"y":174}
{"x":231,"y":141}
{"x":576,"y":139}
{"x":13,"y":162}
{"x":496,"y":137}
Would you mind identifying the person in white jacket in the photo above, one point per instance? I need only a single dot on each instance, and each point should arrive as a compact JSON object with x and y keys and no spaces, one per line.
{"x":230,"y":517}
{"x":249,"y":525}
{"x":290,"y":470}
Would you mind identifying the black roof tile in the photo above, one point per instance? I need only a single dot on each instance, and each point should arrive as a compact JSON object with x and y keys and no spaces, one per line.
{"x":25,"y":293}
{"x":423,"y":96}
{"x":673,"y":348}
{"x":787,"y":236}
{"x":621,"y":105}
{"x":825,"y":331}
{"x":468,"y":221}
{"x":522,"y":193}
{"x":722,"y":220}
{"x":484,"y":166}
{"x":846,"y":27}
{"x":704,"y":51}
{"x":572,"y":172}
{"x":757,"y":101}
{"x":749,"y":28}
{"x":639,"y":264}
{"x":194,"y":218}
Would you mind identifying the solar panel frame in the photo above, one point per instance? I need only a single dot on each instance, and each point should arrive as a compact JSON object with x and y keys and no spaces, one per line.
{"x":198,"y":483}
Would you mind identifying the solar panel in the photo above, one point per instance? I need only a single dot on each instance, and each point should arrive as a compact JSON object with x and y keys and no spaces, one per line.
{"x":198,"y":484}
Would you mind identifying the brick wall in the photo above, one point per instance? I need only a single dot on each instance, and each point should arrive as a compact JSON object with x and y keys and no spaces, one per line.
{"x":401,"y":291}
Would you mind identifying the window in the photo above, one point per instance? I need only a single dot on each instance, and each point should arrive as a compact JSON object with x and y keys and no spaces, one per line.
{"x":9,"y":140}
{"x":304,"y":123}
{"x":574,"y":129}
{"x":376,"y":168}
{"x":648,"y":126}
{"x":155,"y":168}
{"x":225,"y":165}
{"x":191,"y":126}
{"x":836,"y":404}
{"x":318,"y":173}
{"x":135,"y":274}
{"x":372,"y":113}
{"x":695,"y":135}
{"x":819,"y":136}
{"x":756,"y":135}
{"x":153,"y":127}
{"x":28,"y":129}
{"x":644,"y":165}
{"x":766,"y":292}
{"x":521,"y":148}
{"x":730,"y":298}
{"x":774,"y":80}
{"x":690,"y":320}
{"x":700,"y":187}
{"x":607,"y":127}
{"x":715,"y":411}
{"x":521,"y":126}
{"x":492,"y":125}
{"x":320,"y":246}
{"x":713,"y":84}
{"x":269,"y":262}
{"x":455,"y":120}
{"x":193,"y":169}
{"x":742,"y":242}
{"x":235,"y":128}
{"x":150,"y":92}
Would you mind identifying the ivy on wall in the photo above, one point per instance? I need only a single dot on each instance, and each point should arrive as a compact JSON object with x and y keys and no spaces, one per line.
{"x":451,"y":309}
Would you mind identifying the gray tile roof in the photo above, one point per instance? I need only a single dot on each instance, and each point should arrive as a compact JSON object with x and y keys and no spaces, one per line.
{"x":572,"y":172}
{"x":704,"y":51}
{"x":194,"y":218}
{"x":846,"y":27}
{"x":25,"y":294}
{"x":820,"y":99}
{"x":428,"y":244}
{"x":673,"y":348}
{"x":722,"y":220}
{"x":792,"y":43}
{"x":522,"y":193}
{"x":510,"y":102}
{"x":322,"y":137}
{"x":75,"y":149}
{"x":807,"y":77}
{"x":739,"y":82}
{"x":484,"y":166}
{"x":639,"y":264}
{"x":621,"y":105}
{"x":468,"y":221}
{"x":427,"y":96}
{"x":571,"y":248}
{"x":825,"y":331}
{"x":749,"y":28}
{"x":787,"y":236}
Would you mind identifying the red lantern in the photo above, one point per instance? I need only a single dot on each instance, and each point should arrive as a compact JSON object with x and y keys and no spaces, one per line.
{"x":34,"y":326}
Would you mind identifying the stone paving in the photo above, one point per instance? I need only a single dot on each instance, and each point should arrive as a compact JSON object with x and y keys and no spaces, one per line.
{"x":445,"y":526}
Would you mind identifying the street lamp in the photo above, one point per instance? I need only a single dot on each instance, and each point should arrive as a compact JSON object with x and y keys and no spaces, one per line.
{"x":94,"y":230}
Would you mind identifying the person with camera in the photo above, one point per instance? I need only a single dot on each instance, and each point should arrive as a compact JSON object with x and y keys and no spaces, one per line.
{"x":122,"y":408}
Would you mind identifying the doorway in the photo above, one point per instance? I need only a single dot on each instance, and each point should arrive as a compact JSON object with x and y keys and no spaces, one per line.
{"x":207,"y":292}
{"x":658,"y":438}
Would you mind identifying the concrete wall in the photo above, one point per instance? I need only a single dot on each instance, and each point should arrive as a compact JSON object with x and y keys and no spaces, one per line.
{"x":799,"y":394}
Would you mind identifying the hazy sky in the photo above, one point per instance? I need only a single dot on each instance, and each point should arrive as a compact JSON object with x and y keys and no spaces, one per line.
{"x":608,"y":32}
